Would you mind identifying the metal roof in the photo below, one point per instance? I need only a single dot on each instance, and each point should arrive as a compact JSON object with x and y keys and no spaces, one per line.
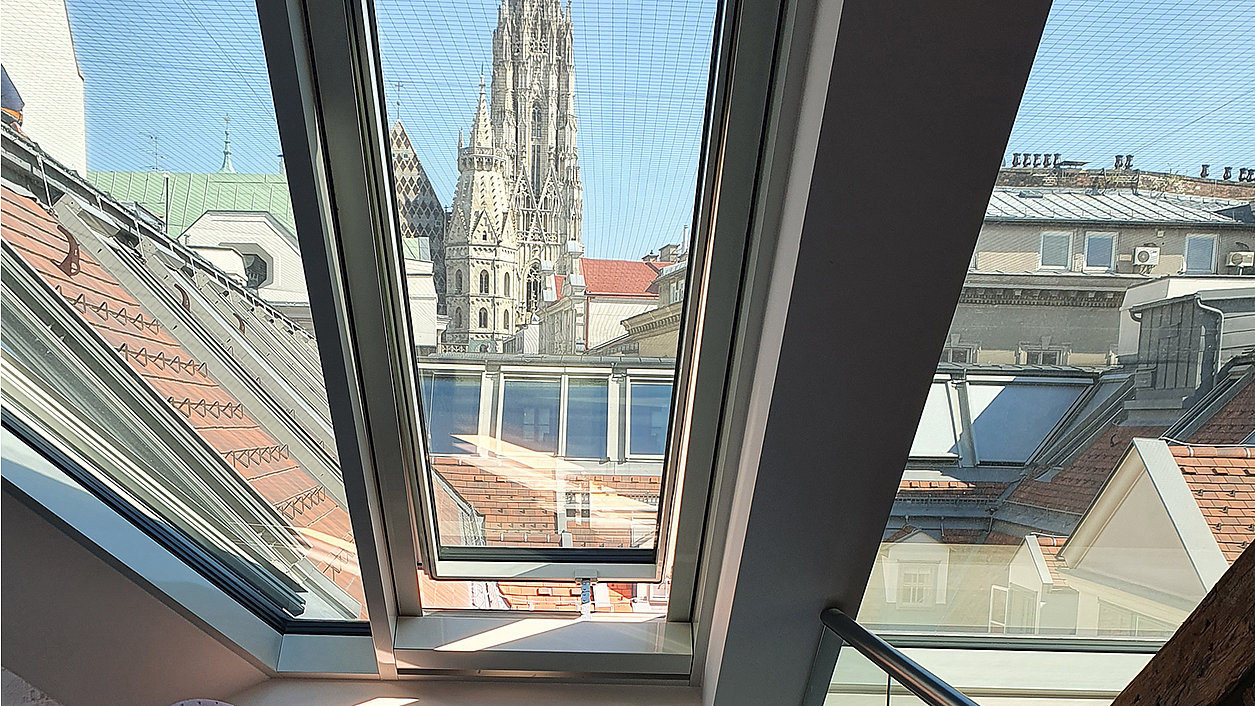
{"x":1081,"y":205}
{"x":191,"y":195}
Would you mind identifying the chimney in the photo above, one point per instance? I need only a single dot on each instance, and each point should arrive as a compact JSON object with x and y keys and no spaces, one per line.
{"x":1202,"y":173}
{"x":1037,"y":159}
{"x":1228,"y":173}
{"x":1119,"y":161}
{"x":1015,"y":159}
{"x":1128,"y":161}
{"x":1058,"y":157}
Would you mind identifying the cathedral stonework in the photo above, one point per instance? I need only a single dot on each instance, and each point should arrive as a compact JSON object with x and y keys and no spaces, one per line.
{"x":519,"y":198}
{"x":421,"y":214}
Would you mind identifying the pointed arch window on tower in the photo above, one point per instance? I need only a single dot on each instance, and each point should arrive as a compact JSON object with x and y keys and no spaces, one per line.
{"x":505,"y":285}
{"x":457,"y":283}
{"x":457,"y":318}
{"x":538,"y":122}
{"x":505,"y":319}
{"x":483,"y":317}
{"x":484,"y":282}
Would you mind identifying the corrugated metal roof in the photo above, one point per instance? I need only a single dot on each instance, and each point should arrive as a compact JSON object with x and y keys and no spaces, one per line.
{"x":1114,"y":206}
{"x":191,"y":195}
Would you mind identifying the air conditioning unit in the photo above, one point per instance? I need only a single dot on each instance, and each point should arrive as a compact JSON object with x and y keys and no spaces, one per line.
{"x":1241,"y":258}
{"x":1146,"y":256}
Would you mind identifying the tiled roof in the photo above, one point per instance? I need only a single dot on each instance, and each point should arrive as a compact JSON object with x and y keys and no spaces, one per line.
{"x":950,"y":489}
{"x":518,"y":503}
{"x":143,"y":343}
{"x":561,"y":596}
{"x":625,"y":278}
{"x":1113,"y":206}
{"x":1222,"y":480}
{"x":1076,"y":485}
{"x":1232,"y":423}
{"x":191,"y":195}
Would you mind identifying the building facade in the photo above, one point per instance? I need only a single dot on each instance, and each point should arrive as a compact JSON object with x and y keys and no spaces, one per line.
{"x":519,"y":198}
{"x":1051,"y":267}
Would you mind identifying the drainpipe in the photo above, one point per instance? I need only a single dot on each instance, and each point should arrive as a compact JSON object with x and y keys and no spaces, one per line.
{"x":1219,"y":338}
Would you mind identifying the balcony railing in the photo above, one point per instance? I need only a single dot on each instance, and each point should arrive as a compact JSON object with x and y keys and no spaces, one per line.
{"x":840,"y":629}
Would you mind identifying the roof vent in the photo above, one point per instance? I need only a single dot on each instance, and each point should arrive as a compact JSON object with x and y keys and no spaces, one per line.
{"x":1031,"y":194}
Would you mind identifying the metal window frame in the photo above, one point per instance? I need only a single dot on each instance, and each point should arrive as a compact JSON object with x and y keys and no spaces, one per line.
{"x":324,"y":69}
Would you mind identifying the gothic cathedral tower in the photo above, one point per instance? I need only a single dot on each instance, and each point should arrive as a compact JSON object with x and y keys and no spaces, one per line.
{"x":519,"y":199}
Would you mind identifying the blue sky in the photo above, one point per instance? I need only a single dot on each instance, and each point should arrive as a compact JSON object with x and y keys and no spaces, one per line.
{"x":1165,"y":80}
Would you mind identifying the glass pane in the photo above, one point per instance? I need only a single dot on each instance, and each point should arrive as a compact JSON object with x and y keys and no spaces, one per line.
{"x":560,"y":143}
{"x":1098,"y":249}
{"x":588,"y":413}
{"x":159,"y":241}
{"x":650,"y":404}
{"x":1056,"y":249}
{"x":452,"y":406}
{"x":530,"y":414}
{"x":1200,"y":254}
{"x":1102,"y":408}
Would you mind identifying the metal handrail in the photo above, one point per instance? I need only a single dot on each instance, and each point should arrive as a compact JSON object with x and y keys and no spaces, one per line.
{"x":903,"y":669}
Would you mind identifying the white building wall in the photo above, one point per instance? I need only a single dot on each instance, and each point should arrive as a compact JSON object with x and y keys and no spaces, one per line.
{"x":1140,"y":546}
{"x":39,"y":56}
{"x":605,"y":317}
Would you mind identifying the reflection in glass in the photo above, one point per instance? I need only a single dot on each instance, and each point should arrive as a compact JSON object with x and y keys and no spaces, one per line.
{"x":587,"y":415}
{"x":650,"y":405}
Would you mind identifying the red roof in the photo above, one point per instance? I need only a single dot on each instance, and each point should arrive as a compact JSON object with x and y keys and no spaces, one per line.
{"x":188,"y":385}
{"x":621,"y":278}
{"x":1232,"y":423}
{"x":1076,"y":485}
{"x":950,"y":489}
{"x":1222,"y":480}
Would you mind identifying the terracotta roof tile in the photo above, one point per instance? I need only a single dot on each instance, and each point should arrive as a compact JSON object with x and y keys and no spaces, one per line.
{"x":1076,"y":485}
{"x":142,"y":343}
{"x":950,"y":489}
{"x":628,"y":278}
{"x":1231,"y":423}
{"x":1222,"y":481}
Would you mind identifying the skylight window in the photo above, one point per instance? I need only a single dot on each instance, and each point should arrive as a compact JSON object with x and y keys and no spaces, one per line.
{"x":1095,"y":414}
{"x":567,"y":185}
{"x":158,"y":341}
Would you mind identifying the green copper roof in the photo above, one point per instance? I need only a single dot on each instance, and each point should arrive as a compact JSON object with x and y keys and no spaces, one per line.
{"x":193,"y":194}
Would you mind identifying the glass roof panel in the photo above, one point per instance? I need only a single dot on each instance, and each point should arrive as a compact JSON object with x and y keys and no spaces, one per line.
{"x":1134,"y":137}
{"x":546,"y":157}
{"x":156,"y":232}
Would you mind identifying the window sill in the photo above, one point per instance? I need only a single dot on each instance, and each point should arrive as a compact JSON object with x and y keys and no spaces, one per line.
{"x":606,"y":644}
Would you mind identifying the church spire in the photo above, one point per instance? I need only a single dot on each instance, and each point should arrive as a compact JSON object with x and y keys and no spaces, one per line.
{"x":226,"y":150}
{"x":481,"y":129}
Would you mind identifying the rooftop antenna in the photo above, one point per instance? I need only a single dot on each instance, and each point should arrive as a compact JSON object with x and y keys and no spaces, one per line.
{"x":397,"y":85}
{"x":157,"y":155}
{"x":226,"y":149}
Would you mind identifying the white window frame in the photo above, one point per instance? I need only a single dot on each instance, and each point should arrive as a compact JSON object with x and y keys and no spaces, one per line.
{"x":928,"y":599}
{"x":1041,"y":251}
{"x":1215,"y":253}
{"x":328,"y":92}
{"x":1090,"y":236}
